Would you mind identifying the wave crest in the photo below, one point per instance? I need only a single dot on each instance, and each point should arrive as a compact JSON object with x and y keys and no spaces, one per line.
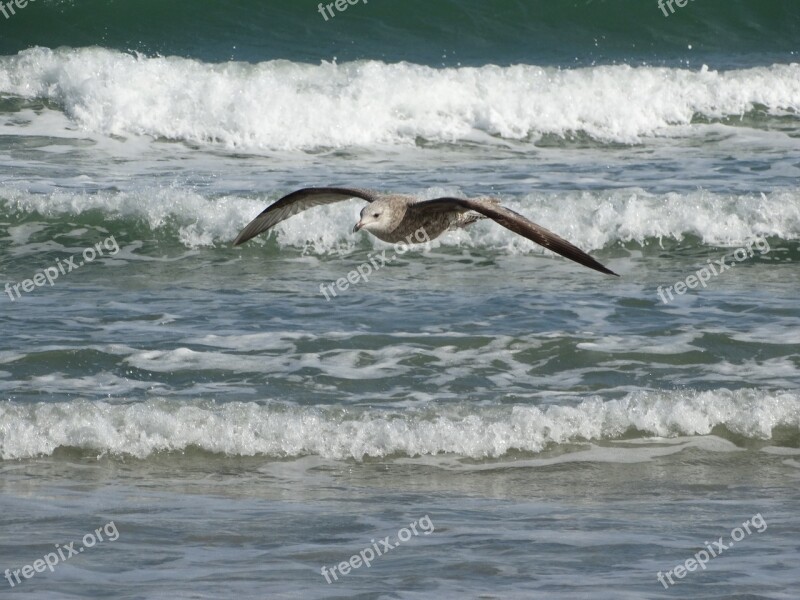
{"x":249,"y":429}
{"x":593,"y":220}
{"x":282,"y":105}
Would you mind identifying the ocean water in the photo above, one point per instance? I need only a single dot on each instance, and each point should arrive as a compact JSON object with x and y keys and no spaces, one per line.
{"x":477,"y":418}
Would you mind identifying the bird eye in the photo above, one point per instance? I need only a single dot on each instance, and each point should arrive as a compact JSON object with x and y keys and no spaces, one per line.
{"x":376,"y":215}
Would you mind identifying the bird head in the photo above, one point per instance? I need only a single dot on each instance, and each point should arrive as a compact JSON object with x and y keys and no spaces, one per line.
{"x":377,"y":218}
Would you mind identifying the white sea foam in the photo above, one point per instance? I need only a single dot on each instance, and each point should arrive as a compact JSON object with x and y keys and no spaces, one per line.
{"x":285,"y":105}
{"x":284,"y":430}
{"x":592,"y":220}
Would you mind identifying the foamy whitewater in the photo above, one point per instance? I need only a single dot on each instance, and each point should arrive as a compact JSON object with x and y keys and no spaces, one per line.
{"x":312,"y":106}
{"x":567,"y":434}
{"x":247,"y":429}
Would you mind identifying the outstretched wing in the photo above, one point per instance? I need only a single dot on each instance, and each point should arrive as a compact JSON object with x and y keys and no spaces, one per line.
{"x":296,"y":202}
{"x":515,"y":222}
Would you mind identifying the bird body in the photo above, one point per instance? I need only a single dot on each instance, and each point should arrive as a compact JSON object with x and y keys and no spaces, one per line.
{"x":397,"y":217}
{"x":386,"y":219}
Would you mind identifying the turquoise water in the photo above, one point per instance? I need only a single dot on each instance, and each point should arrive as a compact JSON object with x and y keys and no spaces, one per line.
{"x":564,"y":433}
{"x":723,"y":33}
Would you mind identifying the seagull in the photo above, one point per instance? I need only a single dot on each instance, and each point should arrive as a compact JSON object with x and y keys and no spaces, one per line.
{"x":396,"y":217}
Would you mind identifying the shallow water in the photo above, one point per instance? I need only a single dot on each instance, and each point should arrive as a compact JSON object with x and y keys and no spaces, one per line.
{"x":567,"y":434}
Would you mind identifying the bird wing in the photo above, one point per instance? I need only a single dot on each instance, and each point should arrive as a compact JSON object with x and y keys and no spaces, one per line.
{"x":515,"y":222}
{"x":296,"y":202}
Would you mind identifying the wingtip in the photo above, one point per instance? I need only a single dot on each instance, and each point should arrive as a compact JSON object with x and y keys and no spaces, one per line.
{"x":608,"y":271}
{"x":595,"y":264}
{"x":598,"y":266}
{"x":245,"y":235}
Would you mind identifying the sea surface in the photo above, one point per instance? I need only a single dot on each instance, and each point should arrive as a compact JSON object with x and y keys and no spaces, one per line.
{"x":180,"y":418}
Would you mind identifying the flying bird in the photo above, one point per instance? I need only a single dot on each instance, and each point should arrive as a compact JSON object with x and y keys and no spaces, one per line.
{"x":396,"y":217}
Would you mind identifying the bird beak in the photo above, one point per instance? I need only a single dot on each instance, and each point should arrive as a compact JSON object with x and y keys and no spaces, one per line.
{"x":358,"y":226}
